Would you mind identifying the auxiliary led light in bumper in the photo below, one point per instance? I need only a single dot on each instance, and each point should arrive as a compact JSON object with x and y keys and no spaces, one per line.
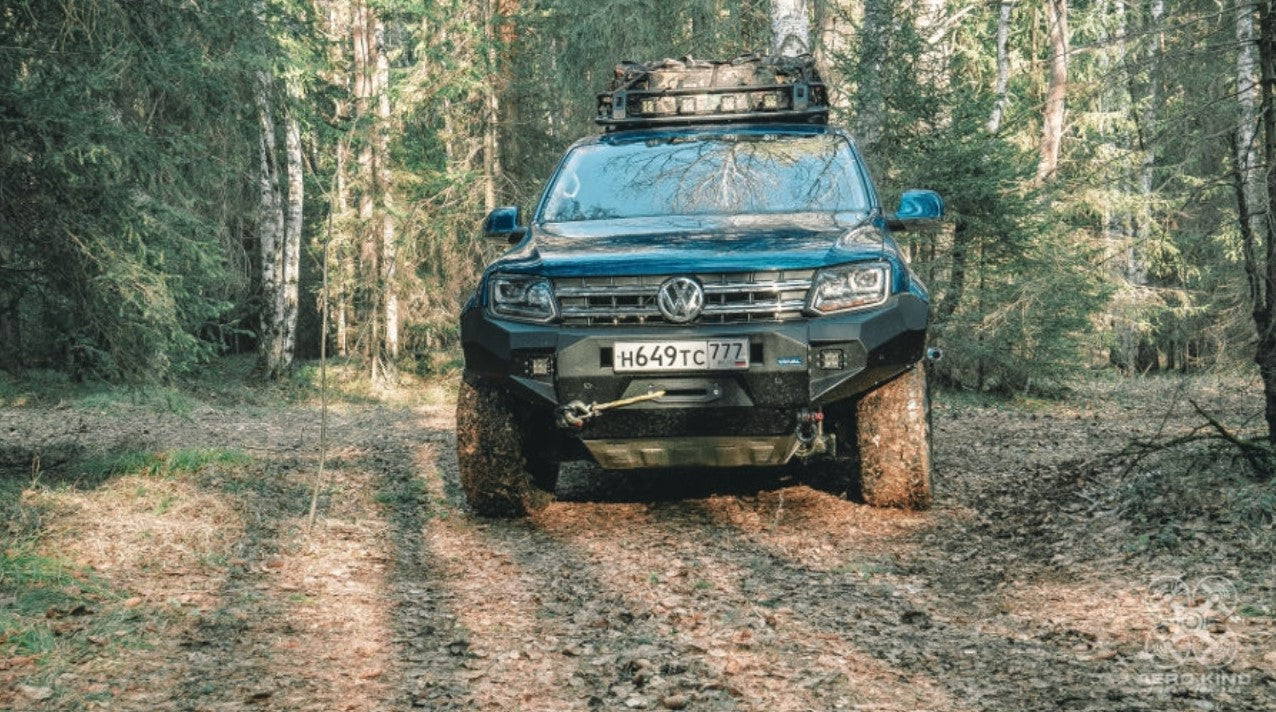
{"x":534,"y":365}
{"x":831,"y":359}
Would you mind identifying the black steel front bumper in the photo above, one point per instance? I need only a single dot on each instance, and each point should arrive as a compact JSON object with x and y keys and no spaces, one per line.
{"x":786,"y":368}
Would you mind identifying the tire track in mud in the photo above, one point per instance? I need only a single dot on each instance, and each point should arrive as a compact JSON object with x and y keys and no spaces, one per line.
{"x":428,"y":635}
{"x":763,"y":651}
{"x":300,"y":620}
{"x":546,"y":632}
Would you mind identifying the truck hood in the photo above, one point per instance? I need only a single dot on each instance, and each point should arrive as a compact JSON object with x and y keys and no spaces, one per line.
{"x":694,"y":245}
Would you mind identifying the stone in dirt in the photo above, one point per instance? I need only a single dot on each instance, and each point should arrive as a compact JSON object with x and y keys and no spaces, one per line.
{"x":674,"y":702}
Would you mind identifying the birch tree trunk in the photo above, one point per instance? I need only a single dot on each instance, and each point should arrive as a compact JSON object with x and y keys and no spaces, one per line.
{"x":289,"y":267}
{"x":1247,"y":98}
{"x":1057,"y":93}
{"x":1003,"y":66}
{"x":790,"y":28}
{"x":270,"y":233}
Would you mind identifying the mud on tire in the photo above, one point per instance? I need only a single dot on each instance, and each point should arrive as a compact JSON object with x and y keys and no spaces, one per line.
{"x":490,"y":445}
{"x":893,"y":438}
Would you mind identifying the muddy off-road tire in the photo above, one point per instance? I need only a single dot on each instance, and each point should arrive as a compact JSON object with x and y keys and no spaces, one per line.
{"x":893,"y":439}
{"x":490,"y":453}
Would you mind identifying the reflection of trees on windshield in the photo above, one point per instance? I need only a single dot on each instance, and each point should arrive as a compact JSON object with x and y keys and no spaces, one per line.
{"x":712,"y":176}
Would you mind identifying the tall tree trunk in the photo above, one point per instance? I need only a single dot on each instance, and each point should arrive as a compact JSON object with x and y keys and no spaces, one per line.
{"x":11,"y":351}
{"x":1057,"y":92}
{"x":342,"y":257}
{"x":368,"y":279}
{"x":1260,"y":264}
{"x":389,"y":247}
{"x":871,"y":64}
{"x":286,"y":302}
{"x":1118,"y":220}
{"x":1136,"y":264}
{"x":1247,"y":98}
{"x":1003,"y":66}
{"x":492,"y":113}
{"x":1139,"y":351}
{"x":270,"y":233}
{"x":509,"y":128}
{"x":790,"y":28}
{"x":1116,"y":101}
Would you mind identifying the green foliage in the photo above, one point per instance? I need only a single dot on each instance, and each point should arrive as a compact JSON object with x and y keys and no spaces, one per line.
{"x":37,"y":584}
{"x":122,"y":209}
{"x":59,"y":612}
{"x":1019,"y":321}
{"x":171,"y":463}
{"x":1014,"y":288}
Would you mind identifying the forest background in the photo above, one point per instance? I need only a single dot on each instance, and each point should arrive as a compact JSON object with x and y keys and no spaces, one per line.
{"x":178,"y":178}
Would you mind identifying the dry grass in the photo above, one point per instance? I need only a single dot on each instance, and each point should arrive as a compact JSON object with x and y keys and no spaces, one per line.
{"x":142,"y":531}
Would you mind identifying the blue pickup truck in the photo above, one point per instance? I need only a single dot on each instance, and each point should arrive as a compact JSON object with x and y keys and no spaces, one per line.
{"x":709,"y":282}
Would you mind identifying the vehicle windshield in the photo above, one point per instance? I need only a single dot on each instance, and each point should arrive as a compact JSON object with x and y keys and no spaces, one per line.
{"x":714,"y":175}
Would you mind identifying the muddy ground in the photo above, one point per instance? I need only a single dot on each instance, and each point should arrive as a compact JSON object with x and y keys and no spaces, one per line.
{"x":1053,"y":572}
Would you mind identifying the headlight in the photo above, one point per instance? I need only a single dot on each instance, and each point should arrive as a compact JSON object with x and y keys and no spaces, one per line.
{"x":523,"y":298}
{"x":847,"y":287}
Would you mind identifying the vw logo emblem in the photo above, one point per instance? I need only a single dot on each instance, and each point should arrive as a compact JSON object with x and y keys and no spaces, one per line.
{"x":680,"y":299}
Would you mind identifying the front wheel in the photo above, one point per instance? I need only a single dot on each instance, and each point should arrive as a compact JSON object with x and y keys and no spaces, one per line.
{"x":893,"y":435}
{"x":491,"y":452}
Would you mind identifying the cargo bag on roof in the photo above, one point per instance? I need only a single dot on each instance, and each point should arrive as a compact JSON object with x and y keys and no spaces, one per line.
{"x":749,"y":88}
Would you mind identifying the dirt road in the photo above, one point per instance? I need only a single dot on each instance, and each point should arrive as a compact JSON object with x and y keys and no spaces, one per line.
{"x":1049,"y":575}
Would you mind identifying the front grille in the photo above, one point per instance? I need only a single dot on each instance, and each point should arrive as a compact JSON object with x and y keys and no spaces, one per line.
{"x":729,"y":298}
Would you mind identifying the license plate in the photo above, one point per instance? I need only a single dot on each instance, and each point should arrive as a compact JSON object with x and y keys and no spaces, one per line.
{"x":706,"y":355}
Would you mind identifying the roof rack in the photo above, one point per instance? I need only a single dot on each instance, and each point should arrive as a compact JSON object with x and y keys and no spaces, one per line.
{"x":751,"y":88}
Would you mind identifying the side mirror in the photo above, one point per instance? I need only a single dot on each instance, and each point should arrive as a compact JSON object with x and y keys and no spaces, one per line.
{"x":503,"y":224}
{"x":915,"y":205}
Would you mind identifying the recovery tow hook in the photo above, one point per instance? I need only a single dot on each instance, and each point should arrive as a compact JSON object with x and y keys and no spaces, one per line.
{"x":577,"y":413}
